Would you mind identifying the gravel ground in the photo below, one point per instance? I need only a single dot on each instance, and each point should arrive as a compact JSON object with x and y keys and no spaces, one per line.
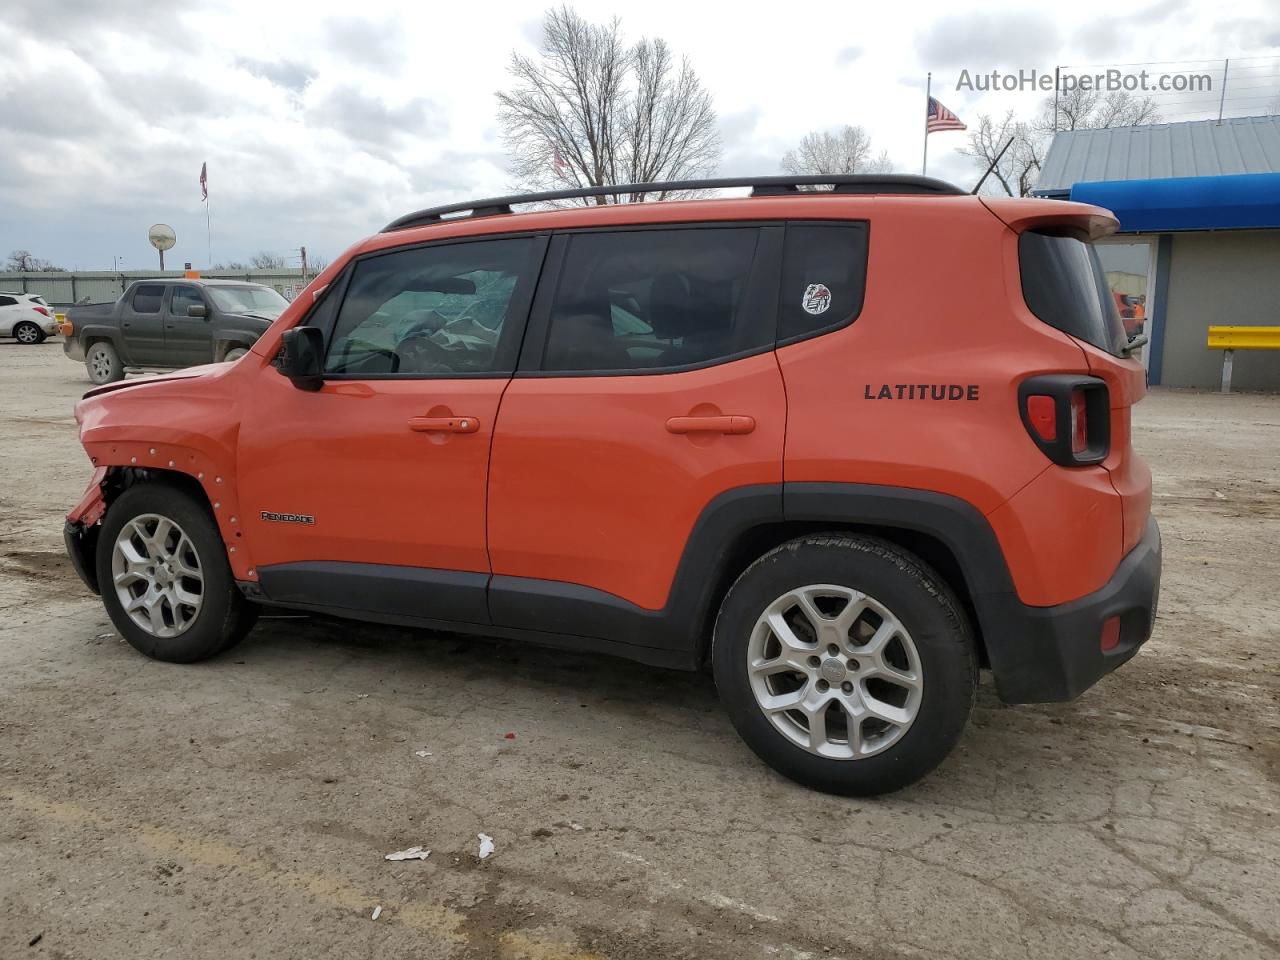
{"x":242,"y":807}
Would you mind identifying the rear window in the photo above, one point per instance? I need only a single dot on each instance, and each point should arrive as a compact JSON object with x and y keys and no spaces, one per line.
{"x":147,"y":297}
{"x":1064,"y":285}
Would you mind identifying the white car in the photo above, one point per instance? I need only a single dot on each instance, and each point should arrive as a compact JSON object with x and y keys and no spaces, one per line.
{"x":25,"y":317}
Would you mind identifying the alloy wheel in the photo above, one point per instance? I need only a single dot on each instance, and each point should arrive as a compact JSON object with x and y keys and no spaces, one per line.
{"x":835,"y":671}
{"x":157,"y":576}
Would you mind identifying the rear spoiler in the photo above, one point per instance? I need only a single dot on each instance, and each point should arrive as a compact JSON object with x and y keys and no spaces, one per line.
{"x":1026,"y":213}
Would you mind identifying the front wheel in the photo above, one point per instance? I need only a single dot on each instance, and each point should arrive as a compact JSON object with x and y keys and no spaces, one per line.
{"x":165,"y":580}
{"x":234,"y":354}
{"x":28,"y":333}
{"x":845,"y":663}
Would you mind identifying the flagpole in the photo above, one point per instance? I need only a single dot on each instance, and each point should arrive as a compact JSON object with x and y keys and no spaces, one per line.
{"x":208,"y":230}
{"x":928,"y":92}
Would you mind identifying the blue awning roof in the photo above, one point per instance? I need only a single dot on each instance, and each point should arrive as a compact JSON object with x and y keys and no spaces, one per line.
{"x":1241,"y":201}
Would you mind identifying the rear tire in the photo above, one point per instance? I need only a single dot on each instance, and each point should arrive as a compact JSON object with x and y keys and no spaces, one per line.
{"x":28,"y":333}
{"x":845,"y":663}
{"x":103,"y":363}
{"x":165,"y":580}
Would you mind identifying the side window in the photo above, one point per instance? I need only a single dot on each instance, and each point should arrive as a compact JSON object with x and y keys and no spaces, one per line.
{"x":434,"y":310}
{"x":649,"y":299}
{"x":147,"y":297}
{"x":824,"y":273}
{"x":182,"y":298}
{"x":7,"y":301}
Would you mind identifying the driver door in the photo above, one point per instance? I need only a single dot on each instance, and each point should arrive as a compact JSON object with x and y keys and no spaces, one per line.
{"x":369,"y":493}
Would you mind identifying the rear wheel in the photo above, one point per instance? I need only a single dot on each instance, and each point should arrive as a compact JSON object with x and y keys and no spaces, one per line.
{"x":28,"y":332}
{"x":165,"y":579}
{"x":845,"y":663}
{"x":103,"y":363}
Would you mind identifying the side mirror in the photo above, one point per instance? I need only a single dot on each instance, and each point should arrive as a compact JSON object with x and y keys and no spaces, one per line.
{"x":301,"y":357}
{"x":197,"y":310}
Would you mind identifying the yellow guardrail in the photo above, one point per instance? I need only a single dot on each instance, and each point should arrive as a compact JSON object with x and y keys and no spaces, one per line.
{"x":1244,"y":338}
{"x":1231,"y":339}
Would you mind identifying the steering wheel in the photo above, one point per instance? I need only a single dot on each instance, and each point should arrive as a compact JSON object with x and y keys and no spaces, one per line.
{"x":421,"y":354}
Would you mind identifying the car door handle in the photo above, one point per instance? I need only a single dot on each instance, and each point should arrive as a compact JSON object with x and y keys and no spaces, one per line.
{"x":725,"y":424}
{"x":444,"y":424}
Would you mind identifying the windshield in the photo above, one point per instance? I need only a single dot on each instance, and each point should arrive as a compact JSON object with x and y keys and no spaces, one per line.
{"x":258,"y":300}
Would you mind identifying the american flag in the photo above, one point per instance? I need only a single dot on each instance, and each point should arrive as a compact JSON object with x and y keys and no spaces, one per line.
{"x":204,"y":181}
{"x":939,"y":118}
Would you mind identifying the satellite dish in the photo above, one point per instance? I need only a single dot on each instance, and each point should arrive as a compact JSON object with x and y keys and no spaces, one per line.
{"x":162,"y":236}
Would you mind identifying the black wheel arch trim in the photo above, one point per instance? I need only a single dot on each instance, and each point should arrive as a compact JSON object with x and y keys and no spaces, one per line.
{"x":677,"y":635}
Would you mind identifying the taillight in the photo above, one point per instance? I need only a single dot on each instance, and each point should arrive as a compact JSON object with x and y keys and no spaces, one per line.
{"x":66,"y":327}
{"x":1068,"y":416}
{"x":43,"y":310}
{"x":1079,"y":422}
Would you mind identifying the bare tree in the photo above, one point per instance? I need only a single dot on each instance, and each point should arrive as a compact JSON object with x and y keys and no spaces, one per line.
{"x":845,"y":151}
{"x":23,"y":261}
{"x":1077,"y":109}
{"x":591,"y":110}
{"x":231,"y":265}
{"x":266,"y":260}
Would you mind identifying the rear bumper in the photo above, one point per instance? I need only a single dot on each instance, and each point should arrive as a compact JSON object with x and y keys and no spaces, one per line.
{"x":1045,"y":654}
{"x":72,"y":347}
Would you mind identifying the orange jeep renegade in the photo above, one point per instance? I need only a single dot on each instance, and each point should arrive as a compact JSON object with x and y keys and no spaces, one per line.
{"x":845,"y":446}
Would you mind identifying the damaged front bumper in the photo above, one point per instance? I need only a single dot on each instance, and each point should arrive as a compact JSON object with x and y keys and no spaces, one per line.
{"x":80,"y":532}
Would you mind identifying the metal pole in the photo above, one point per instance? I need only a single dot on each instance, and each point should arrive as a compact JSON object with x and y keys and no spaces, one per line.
{"x":928,"y":91}
{"x":1227,"y":357}
{"x":161,"y":261}
{"x":208,"y":230}
{"x":1057,"y":85}
{"x":1223,"y":99}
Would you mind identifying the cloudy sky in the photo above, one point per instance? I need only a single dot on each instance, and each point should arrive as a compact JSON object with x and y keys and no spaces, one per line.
{"x":322,"y":121}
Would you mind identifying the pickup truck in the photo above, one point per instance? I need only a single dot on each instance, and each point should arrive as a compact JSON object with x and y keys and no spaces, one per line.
{"x":167,"y":324}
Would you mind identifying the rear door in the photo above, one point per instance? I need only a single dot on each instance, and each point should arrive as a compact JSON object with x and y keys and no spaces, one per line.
{"x":647,"y":387}
{"x":142,"y":325}
{"x":188,"y":340}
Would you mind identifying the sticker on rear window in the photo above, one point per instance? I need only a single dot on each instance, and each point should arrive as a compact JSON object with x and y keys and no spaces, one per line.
{"x":816,"y":299}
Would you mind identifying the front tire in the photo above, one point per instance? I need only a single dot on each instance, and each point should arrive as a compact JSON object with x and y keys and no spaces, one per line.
{"x":28,"y":333}
{"x":234,"y":354}
{"x":845,"y":663}
{"x":103,"y":363}
{"x":165,"y":580}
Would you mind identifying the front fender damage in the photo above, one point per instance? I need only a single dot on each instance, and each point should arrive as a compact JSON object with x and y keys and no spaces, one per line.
{"x":80,"y":532}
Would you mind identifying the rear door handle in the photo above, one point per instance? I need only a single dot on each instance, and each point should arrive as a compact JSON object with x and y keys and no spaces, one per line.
{"x":725,"y":424}
{"x":444,"y":424}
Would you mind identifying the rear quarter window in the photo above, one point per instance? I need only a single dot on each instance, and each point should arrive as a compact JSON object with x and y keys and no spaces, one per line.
{"x":1064,"y":285}
{"x":824,"y":273}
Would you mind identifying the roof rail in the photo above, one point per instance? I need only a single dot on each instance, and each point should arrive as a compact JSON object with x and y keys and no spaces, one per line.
{"x":760,"y":187}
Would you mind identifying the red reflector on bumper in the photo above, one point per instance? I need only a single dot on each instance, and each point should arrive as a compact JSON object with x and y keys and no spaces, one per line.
{"x":1042,"y":411}
{"x":1110,"y":634}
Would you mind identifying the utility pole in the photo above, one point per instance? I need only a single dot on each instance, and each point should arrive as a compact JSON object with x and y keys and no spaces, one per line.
{"x":1223,"y":98}
{"x":304,"y":262}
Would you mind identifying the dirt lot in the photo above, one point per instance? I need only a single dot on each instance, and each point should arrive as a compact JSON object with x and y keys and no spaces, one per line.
{"x":241,"y":808}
